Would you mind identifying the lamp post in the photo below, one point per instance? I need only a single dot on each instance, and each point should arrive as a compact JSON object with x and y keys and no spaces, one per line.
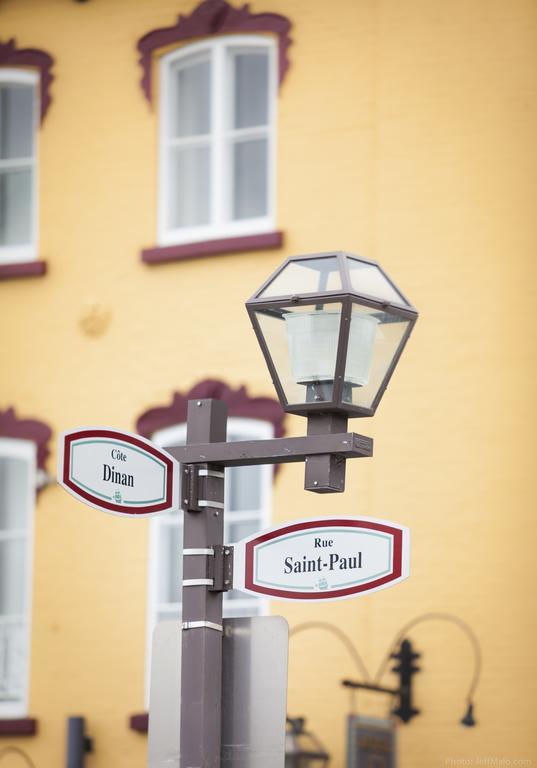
{"x":302,"y":748}
{"x":332,"y":327}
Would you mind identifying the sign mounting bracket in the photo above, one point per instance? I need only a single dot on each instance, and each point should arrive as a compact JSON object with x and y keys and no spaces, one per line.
{"x":221,"y":568}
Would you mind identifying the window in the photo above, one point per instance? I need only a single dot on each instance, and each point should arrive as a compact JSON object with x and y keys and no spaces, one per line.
{"x":247,"y":504}
{"x":17,"y":490}
{"x":217,"y":139}
{"x":19,"y":116}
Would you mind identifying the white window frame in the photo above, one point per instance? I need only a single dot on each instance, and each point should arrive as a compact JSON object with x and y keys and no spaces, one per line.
{"x":15,"y":254}
{"x":221,"y":100}
{"x":249,"y":429}
{"x":26,"y":450}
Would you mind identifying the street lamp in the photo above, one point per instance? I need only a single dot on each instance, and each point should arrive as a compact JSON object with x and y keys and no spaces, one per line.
{"x":331,"y":327}
{"x":302,"y":748}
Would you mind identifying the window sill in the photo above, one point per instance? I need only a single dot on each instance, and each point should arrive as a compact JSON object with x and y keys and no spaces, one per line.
{"x":139,"y":722}
{"x":24,"y":726}
{"x":22,"y":269}
{"x":167,"y":253}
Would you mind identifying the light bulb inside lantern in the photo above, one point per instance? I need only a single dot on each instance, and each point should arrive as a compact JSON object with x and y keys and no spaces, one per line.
{"x":313,"y":342}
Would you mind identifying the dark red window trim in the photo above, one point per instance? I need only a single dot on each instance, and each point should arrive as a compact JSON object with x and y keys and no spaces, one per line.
{"x":239,"y":403}
{"x":27,"y":429}
{"x":23,"y":726}
{"x":23,"y":269}
{"x":30,"y":58}
{"x":167,"y":253}
{"x":213,"y":17}
{"x":139,"y":722}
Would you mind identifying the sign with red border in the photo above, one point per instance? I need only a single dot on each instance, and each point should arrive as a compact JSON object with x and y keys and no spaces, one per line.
{"x":117,"y":472}
{"x":322,"y":559}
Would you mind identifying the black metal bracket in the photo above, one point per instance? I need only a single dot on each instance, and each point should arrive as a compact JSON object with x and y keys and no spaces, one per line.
{"x":221,"y":568}
{"x":406,"y":669}
{"x":189,"y":488}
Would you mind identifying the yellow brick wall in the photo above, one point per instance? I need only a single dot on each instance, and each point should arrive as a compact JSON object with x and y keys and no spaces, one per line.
{"x":407,"y":134}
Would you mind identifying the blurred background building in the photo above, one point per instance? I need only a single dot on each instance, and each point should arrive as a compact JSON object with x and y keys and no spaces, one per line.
{"x":158,"y":159}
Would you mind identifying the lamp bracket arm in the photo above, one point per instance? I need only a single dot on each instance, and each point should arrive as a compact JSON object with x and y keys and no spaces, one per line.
{"x":279,"y":450}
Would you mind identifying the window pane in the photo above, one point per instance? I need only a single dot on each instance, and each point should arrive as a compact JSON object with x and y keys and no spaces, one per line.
{"x":16,"y":207}
{"x":250,"y":176}
{"x":12,"y":660}
{"x":16,"y":121}
{"x":173,"y":613}
{"x":244,"y":488}
{"x":191,"y":114}
{"x":170,"y":547}
{"x":13,"y":494}
{"x":240,"y":530}
{"x":12,"y":576}
{"x":190,"y":187}
{"x":251,"y":89}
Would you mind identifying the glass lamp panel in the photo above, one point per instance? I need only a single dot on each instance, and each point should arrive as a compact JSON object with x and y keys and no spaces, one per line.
{"x":303,"y":342}
{"x":305,"y":276}
{"x":16,"y":121}
{"x":16,"y":206}
{"x":191,"y":107}
{"x":190,"y":186}
{"x":369,"y":280}
{"x":250,"y":88}
{"x":375,"y":335}
{"x":250,"y":178}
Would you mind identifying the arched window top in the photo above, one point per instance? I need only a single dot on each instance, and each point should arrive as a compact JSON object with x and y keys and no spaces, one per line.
{"x":11,"y":426}
{"x":240,"y":406}
{"x":30,"y":65}
{"x":209,"y":19}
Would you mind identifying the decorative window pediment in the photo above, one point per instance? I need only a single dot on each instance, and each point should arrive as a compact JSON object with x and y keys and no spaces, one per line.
{"x":239,"y":403}
{"x":214,"y":17}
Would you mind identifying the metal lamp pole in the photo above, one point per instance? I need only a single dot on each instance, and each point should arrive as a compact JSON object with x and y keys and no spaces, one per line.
{"x":201,"y":658}
{"x":207,"y":563}
{"x":346,"y":324}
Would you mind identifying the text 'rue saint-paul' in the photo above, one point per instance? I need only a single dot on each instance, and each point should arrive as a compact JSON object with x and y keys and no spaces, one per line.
{"x":331,"y":562}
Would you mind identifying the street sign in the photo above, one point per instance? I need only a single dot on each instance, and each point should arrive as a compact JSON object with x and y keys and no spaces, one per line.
{"x":254,"y":693}
{"x":117,"y":472}
{"x":322,"y":559}
{"x":371,"y":742}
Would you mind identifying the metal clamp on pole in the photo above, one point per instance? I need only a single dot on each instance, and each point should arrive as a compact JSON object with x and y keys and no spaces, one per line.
{"x":189,"y":488}
{"x":194,"y":488}
{"x":202,"y":625}
{"x":198,"y":582}
{"x":221,"y":569}
{"x":209,"y":551}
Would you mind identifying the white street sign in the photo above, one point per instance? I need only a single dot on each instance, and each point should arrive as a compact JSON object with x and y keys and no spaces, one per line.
{"x":117,"y":472}
{"x":322,"y":559}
